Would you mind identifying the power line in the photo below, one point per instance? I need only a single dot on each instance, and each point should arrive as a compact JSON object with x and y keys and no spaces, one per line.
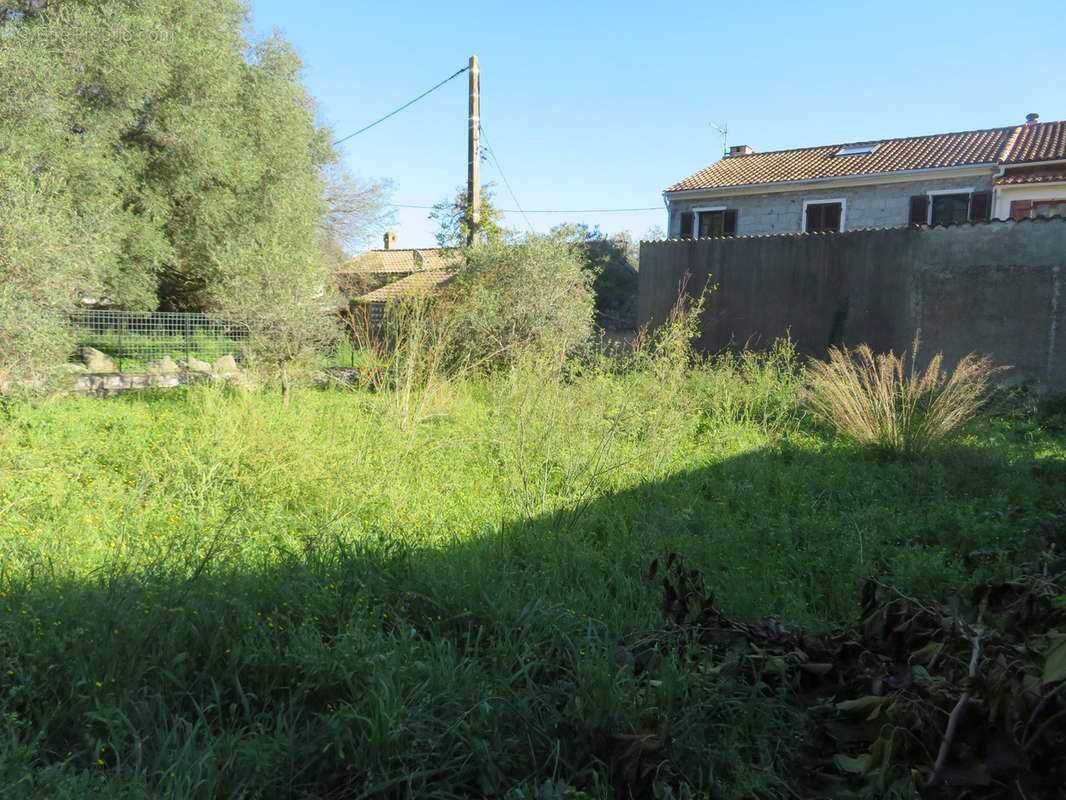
{"x":496,"y":160}
{"x":586,"y":210}
{"x":549,"y":210}
{"x":506,"y":182}
{"x":401,"y":108}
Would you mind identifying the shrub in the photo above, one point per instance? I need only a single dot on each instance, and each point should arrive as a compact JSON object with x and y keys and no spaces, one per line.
{"x":512,"y":297}
{"x":612,"y":261}
{"x":877,"y":401}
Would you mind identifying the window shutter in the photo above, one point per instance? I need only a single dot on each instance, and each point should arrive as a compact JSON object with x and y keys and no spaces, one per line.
{"x":919,"y":209}
{"x":1021,"y":209}
{"x":688,"y":223}
{"x":811,"y":218}
{"x":980,"y":206}
{"x":833,"y":213}
{"x":729,"y":228}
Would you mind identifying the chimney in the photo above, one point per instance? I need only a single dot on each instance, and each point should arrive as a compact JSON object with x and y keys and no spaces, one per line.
{"x":1030,"y":119}
{"x":390,"y":240}
{"x":739,"y":150}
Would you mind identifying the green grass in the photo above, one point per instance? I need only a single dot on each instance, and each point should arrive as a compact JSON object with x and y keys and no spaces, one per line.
{"x":433,"y":595}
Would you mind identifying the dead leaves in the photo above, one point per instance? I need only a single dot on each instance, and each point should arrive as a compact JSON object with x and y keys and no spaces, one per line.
{"x":919,"y":699}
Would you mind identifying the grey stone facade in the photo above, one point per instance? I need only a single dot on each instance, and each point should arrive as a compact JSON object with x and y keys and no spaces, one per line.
{"x":878,"y":206}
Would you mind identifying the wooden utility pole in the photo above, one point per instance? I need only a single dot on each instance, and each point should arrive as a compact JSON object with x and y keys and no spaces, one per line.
{"x":473,"y":174}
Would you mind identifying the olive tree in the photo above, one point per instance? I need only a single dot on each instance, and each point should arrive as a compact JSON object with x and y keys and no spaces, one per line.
{"x":507,"y":297}
{"x":152,"y":154}
{"x":46,"y":255}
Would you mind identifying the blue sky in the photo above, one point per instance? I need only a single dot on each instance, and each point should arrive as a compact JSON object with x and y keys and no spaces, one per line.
{"x":597,"y":105}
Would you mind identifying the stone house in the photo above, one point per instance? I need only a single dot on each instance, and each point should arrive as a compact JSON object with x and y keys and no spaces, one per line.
{"x":376,"y":277}
{"x":1013,"y":172}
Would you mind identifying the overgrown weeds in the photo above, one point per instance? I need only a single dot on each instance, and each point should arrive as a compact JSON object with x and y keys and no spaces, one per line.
{"x":435,"y":585}
{"x":878,"y":400}
{"x":759,"y":389}
{"x":408,"y":354}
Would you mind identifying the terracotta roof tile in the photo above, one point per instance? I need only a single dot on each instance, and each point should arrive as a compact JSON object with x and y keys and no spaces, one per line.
{"x":1043,"y":177}
{"x":965,"y":148}
{"x":387,"y":262}
{"x":418,"y":284}
{"x":1040,"y":141}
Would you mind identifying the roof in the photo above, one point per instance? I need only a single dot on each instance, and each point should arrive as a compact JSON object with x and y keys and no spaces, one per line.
{"x":1040,"y":141}
{"x":385,"y":262}
{"x":1042,"y":177}
{"x":418,"y":284}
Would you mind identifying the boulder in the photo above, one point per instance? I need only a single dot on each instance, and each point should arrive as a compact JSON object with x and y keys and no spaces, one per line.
{"x":96,"y":361}
{"x":164,"y":366}
{"x":194,"y":365}
{"x":226,"y":365}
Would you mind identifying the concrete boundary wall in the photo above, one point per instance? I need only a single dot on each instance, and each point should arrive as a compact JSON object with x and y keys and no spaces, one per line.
{"x":992,"y":288}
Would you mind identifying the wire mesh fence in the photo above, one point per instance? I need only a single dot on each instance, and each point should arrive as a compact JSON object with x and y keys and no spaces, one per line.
{"x":134,"y":339}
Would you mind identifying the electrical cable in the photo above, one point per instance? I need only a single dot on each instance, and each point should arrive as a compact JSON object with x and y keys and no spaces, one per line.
{"x":548,"y":210}
{"x":496,"y":161}
{"x":401,"y":108}
{"x":506,"y":182}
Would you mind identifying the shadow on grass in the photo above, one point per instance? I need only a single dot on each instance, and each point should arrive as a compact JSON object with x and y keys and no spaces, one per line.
{"x":517,"y":661}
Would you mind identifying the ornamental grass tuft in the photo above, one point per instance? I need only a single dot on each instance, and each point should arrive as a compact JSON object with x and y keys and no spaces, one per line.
{"x":879,"y":401}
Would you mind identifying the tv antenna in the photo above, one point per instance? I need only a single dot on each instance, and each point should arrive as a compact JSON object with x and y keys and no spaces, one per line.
{"x":725,"y":136}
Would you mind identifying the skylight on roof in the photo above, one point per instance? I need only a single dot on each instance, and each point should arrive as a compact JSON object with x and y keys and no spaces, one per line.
{"x":861,"y":149}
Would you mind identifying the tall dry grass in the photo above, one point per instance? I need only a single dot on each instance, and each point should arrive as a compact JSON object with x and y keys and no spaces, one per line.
{"x":881,"y":401}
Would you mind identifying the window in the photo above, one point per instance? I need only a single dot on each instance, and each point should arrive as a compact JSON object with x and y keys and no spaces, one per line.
{"x":1026,"y":209}
{"x":716,"y":222}
{"x":1049,"y":208}
{"x":704,"y":222}
{"x":823,"y":215}
{"x":950,"y":206}
{"x":861,"y":149}
{"x":947,"y":209}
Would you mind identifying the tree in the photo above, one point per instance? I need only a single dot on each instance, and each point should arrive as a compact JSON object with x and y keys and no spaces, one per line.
{"x":356,"y":212}
{"x":513,"y":296}
{"x":279,"y":284}
{"x":612,"y":261}
{"x":454,"y":223}
{"x":168,"y":135}
{"x":35,"y":235}
{"x":151,"y":154}
{"x":288,"y":305}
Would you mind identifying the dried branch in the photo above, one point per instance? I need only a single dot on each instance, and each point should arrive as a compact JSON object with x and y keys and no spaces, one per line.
{"x":1047,"y":698}
{"x":960,"y":707}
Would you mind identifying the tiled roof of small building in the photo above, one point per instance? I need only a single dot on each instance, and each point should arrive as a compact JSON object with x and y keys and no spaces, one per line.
{"x":417,"y":284}
{"x":1043,"y":177}
{"x":1041,"y":141}
{"x":1013,"y":144}
{"x":386,"y":262}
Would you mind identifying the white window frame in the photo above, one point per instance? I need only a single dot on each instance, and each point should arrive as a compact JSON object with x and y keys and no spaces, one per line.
{"x":819,"y":202}
{"x":968,"y":190}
